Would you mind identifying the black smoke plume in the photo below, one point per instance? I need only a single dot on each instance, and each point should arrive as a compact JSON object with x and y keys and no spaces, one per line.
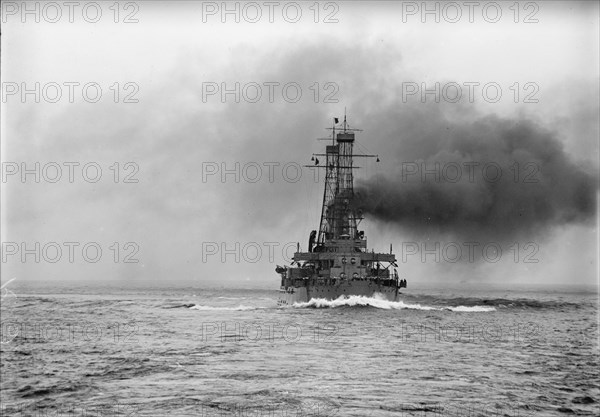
{"x":515,"y":182}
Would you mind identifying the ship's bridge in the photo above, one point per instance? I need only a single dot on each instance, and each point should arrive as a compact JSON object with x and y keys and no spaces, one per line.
{"x":345,"y":257}
{"x":362,"y":256}
{"x":339,"y":263}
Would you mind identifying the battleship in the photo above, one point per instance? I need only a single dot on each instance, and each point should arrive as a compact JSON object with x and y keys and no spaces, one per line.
{"x":337,"y":262}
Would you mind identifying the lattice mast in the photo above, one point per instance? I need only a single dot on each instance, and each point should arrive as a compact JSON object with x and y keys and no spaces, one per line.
{"x":338,"y":217}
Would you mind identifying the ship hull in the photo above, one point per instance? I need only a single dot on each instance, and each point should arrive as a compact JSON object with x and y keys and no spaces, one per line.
{"x":366,"y":288}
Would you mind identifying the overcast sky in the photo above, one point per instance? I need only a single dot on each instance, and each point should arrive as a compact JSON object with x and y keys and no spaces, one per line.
{"x":177,"y":131}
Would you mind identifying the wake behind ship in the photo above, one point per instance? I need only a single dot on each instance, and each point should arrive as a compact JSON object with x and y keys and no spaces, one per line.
{"x":338,"y":263}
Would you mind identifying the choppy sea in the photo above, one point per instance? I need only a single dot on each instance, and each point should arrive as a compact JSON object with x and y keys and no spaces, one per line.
{"x":109,"y":351}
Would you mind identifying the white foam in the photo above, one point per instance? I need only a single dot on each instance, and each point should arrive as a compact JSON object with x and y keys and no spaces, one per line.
{"x":471,"y":308}
{"x":378,"y":301}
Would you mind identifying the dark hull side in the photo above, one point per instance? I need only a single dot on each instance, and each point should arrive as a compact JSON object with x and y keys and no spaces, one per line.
{"x":366,"y":288}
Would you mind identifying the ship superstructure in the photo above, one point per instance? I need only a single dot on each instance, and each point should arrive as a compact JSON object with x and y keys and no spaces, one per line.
{"x":338,"y":263}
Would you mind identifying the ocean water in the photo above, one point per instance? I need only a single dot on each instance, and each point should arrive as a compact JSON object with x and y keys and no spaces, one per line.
{"x":100,"y":351}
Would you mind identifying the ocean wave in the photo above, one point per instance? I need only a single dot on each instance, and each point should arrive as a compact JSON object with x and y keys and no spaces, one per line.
{"x":187,"y":305}
{"x":470,"y":308}
{"x":214,"y":308}
{"x":380,"y":302}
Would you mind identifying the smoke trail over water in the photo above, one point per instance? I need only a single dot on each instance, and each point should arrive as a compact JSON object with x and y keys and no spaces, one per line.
{"x":494,"y":179}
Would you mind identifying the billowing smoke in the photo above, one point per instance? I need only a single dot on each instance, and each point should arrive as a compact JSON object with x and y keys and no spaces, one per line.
{"x":492,"y":179}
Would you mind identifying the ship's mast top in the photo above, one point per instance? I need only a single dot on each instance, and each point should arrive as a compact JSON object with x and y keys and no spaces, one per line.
{"x":339,"y":217}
